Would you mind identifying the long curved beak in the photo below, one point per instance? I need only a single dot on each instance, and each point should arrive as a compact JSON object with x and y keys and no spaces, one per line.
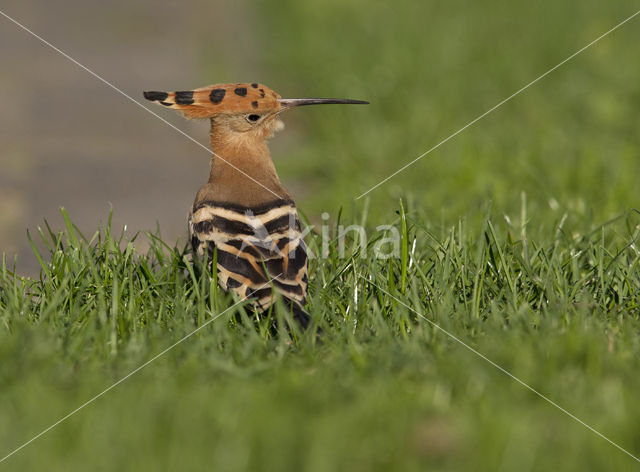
{"x":298,"y":102}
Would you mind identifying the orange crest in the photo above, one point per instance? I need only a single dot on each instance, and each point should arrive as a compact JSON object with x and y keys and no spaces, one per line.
{"x":206,"y":102}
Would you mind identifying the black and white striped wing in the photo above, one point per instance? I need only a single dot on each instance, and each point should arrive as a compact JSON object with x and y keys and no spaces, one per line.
{"x":256,"y":248}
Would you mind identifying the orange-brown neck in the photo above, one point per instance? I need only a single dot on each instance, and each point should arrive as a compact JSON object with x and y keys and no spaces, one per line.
{"x":242,"y":171}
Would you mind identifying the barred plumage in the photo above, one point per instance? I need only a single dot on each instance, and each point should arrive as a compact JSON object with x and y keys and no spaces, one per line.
{"x":254,"y":247}
{"x":256,"y":240}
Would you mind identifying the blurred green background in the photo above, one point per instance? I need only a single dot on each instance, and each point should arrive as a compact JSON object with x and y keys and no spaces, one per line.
{"x":570,"y":142}
{"x":429,"y":68}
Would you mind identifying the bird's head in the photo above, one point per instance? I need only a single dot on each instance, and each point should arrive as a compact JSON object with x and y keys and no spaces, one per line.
{"x":237,"y":111}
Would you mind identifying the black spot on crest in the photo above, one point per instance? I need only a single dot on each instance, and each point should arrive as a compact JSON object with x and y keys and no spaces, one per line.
{"x":166,"y":104}
{"x":262,"y":93}
{"x":153,"y":96}
{"x":184,"y":98}
{"x":217,"y":95}
{"x":254,"y":85}
{"x":254,"y":104}
{"x":241,"y":91}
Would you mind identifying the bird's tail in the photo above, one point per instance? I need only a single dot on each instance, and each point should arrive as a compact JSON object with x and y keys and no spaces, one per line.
{"x":301,"y":316}
{"x":296,"y":311}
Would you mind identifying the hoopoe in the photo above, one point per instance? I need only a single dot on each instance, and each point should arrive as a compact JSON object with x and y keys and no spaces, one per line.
{"x":243,"y":218}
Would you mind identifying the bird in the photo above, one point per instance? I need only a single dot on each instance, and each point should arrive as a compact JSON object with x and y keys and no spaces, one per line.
{"x":243,"y":220}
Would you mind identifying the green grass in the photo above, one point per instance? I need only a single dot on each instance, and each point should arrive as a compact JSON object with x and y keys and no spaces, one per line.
{"x":519,"y":237}
{"x":381,"y":389}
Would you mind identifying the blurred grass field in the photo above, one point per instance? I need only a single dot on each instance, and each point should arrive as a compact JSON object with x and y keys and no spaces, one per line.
{"x":525,"y":228}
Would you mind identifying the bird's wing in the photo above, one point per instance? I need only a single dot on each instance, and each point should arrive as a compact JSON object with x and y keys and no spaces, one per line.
{"x":254,"y":247}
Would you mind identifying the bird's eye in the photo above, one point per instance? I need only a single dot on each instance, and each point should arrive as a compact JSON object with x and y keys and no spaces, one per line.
{"x":253,"y":117}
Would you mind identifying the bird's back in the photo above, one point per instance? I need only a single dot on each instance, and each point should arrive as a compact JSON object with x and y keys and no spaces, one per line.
{"x":255,"y":240}
{"x":257,"y":250}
